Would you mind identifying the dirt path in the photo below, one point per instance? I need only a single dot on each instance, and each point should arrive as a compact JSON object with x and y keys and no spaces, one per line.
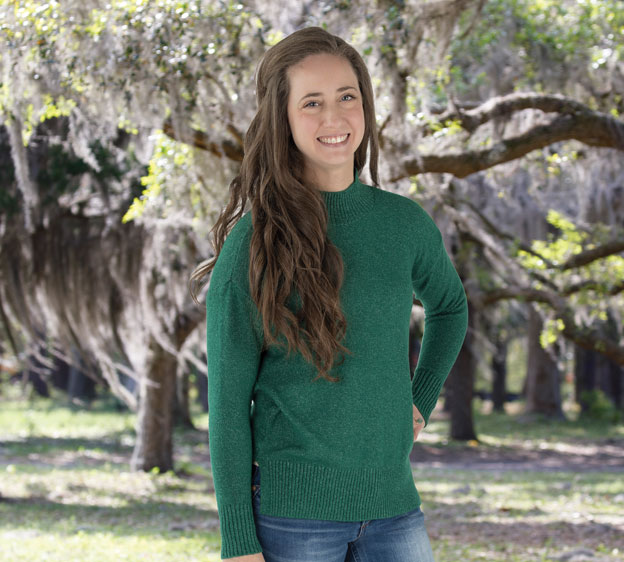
{"x":607,"y":456}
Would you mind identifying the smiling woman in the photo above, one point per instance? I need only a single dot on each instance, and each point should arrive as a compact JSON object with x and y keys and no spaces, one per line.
{"x":327,"y":266}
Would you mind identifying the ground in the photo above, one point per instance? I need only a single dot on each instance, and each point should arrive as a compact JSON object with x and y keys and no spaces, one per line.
{"x":528,"y":490}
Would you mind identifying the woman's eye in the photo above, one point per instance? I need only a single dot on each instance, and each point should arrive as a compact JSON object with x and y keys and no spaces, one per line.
{"x":346,"y":95}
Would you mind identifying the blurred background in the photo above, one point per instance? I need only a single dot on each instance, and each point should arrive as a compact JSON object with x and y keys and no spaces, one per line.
{"x":121,"y":127}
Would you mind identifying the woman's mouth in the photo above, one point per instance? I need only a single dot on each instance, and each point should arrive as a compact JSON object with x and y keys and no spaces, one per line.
{"x":338,"y":140}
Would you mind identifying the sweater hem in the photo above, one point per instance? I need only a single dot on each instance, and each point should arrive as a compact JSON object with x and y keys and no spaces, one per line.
{"x":301,"y":490}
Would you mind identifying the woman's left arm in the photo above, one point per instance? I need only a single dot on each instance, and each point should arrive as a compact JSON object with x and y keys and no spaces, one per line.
{"x":438,"y":286}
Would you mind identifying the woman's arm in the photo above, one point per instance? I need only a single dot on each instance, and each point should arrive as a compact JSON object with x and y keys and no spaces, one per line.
{"x":438,"y":286}
{"x":234,"y":345}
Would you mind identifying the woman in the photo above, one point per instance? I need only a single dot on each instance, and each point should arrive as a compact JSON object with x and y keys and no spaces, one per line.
{"x":308,"y":314}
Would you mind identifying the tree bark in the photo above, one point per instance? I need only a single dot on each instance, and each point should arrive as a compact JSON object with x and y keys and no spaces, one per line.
{"x":201,"y":382}
{"x":460,"y":386}
{"x":79,"y":386}
{"x":499,"y":372}
{"x":543,"y":394}
{"x":182,"y":412}
{"x":153,"y":448}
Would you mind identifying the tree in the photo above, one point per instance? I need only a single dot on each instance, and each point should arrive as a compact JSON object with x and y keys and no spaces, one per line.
{"x":120,"y":74}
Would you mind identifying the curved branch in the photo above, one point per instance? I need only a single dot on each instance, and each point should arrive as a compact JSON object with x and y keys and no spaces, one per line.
{"x":575,"y":121}
{"x":583,"y":337}
{"x":504,"y":106}
{"x":589,"y":284}
{"x":587,"y":256}
{"x":199,"y":139}
{"x":552,"y":295}
{"x":577,"y":260}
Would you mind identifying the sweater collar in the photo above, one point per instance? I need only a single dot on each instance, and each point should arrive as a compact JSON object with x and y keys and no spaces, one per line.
{"x":347,"y":204}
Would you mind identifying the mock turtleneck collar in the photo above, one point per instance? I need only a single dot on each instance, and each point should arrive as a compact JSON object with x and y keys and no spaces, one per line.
{"x":344,"y":206}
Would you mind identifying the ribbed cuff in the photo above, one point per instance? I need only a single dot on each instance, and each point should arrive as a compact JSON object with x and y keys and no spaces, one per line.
{"x":426,"y":387}
{"x":238,"y":530}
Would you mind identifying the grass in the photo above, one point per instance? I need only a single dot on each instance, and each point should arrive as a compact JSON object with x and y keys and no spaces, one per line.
{"x":520,"y":515}
{"x":69,"y":494}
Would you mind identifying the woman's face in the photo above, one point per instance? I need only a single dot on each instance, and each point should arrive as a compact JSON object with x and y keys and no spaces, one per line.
{"x":335,"y":110}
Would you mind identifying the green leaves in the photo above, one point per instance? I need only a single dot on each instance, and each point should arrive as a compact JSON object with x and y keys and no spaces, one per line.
{"x":556,"y":249}
{"x":170,"y":159}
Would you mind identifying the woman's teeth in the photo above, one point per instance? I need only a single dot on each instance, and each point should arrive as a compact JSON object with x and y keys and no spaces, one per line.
{"x":333,"y":140}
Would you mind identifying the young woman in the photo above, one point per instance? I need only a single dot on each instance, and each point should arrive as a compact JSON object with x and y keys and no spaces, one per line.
{"x":308,"y":314}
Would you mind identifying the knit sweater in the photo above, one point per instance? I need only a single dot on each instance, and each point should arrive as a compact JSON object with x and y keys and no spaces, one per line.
{"x":331,"y":451}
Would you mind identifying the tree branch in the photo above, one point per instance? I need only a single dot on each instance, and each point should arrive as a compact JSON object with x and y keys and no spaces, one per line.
{"x":199,"y":139}
{"x":587,"y":256}
{"x":583,"y":337}
{"x":575,"y":121}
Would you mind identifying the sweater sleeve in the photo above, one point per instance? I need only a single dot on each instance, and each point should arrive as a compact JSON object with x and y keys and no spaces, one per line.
{"x":234,"y":345}
{"x":438,"y":286}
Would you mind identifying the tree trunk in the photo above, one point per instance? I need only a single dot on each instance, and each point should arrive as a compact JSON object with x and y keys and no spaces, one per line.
{"x":79,"y":386}
{"x":543,"y":394}
{"x":182,"y":412}
{"x":59,"y":378}
{"x":594,"y":371}
{"x":153,"y":448}
{"x":584,"y":374}
{"x":499,"y":372}
{"x":201,"y":382}
{"x":460,"y":386}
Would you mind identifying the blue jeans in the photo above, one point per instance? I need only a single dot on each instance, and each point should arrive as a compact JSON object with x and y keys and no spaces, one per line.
{"x":402,"y":538}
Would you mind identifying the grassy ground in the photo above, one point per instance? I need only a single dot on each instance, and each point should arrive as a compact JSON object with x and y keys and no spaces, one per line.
{"x":68,"y":495}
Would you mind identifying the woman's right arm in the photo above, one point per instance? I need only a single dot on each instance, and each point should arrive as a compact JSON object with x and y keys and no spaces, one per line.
{"x":234,"y":346}
{"x":247,"y":558}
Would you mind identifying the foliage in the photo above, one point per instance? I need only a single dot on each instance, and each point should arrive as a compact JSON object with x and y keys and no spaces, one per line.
{"x":170,"y":159}
{"x":64,"y":171}
{"x":99,"y":56}
{"x":135,"y":65}
{"x":600,"y":407}
{"x":584,"y":36}
{"x":600,"y":276}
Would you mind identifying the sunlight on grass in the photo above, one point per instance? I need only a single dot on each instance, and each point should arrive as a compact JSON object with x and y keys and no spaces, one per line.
{"x":93,"y":546}
{"x":68,"y":493}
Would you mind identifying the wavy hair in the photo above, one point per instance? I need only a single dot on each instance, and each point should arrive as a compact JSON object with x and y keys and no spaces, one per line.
{"x":289,"y":248}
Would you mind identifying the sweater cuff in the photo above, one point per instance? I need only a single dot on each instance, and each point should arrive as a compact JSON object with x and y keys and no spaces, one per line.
{"x":238,"y":531}
{"x":426,"y":388}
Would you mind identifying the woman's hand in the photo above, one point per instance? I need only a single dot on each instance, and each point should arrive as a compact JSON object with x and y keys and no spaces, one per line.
{"x":247,"y":558}
{"x":419,"y":421}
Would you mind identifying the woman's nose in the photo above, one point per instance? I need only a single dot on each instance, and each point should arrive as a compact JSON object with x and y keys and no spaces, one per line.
{"x":331,"y":114}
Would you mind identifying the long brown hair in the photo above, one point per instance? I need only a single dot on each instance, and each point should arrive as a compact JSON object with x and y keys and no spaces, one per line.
{"x":289,"y":247}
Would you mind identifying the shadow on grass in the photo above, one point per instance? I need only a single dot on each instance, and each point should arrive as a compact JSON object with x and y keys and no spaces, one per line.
{"x":156,"y":518}
{"x":141,"y":518}
{"x":558,"y":534}
{"x":26,"y":447}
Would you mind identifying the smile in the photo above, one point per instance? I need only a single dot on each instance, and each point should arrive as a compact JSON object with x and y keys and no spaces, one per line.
{"x":334,"y":141}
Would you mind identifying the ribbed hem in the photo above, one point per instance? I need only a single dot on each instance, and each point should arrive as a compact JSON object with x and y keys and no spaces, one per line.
{"x":348,"y":204}
{"x":238,"y":530}
{"x":301,"y":490}
{"x":426,"y":387}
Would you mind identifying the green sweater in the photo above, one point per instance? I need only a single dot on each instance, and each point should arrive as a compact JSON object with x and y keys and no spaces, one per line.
{"x":332,"y":451}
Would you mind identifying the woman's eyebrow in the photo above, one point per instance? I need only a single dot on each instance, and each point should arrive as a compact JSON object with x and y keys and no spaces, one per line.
{"x":312,"y":94}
